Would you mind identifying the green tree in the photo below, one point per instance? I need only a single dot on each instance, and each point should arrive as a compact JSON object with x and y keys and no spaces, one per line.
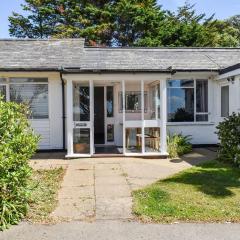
{"x":137,"y":22}
{"x":121,"y":23}
{"x":223,"y":34}
{"x":39,"y":22}
{"x":118,"y":23}
{"x":187,"y":28}
{"x":92,"y":20}
{"x":234,"y":21}
{"x":60,"y":18}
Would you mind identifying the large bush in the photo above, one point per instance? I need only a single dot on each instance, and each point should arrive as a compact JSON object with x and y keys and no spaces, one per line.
{"x":178,"y":145}
{"x":17,"y":145}
{"x":229,"y":137}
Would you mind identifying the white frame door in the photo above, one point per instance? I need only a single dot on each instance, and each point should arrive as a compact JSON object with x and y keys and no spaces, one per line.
{"x":71,"y":124}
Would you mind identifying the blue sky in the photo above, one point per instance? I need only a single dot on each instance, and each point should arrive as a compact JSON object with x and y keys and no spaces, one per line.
{"x":222,"y":8}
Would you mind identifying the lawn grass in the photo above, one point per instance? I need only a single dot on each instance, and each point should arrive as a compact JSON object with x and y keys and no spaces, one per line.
{"x":45,"y":185}
{"x":206,"y":193}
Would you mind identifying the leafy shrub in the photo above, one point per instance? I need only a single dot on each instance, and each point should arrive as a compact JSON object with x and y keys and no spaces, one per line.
{"x":178,"y":145}
{"x":17,"y":145}
{"x":229,"y":137}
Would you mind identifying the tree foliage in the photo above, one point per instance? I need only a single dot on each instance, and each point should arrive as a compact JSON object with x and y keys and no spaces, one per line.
{"x":122,"y":23}
{"x":234,"y":21}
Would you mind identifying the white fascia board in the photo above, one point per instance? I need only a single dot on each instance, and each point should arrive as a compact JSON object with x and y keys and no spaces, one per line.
{"x":229,"y":74}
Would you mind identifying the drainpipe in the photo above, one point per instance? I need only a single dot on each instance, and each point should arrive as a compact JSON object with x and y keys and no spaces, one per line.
{"x":63,"y":110}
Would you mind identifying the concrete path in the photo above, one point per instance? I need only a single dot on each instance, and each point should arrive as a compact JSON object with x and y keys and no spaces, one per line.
{"x":120,"y":230}
{"x":100,"y":189}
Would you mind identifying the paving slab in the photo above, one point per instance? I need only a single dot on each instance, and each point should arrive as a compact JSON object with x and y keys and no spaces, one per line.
{"x":75,"y":209}
{"x":114,"y":208}
{"x":107,"y":166}
{"x":108,"y":173}
{"x":76,"y":192}
{"x":112,"y":191}
{"x":73,"y":178}
{"x":114,"y":180}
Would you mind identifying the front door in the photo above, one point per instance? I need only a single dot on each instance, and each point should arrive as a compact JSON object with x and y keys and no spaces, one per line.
{"x":99,"y":124}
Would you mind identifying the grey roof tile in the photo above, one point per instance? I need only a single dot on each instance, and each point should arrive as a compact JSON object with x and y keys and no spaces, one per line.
{"x":70,"y":53}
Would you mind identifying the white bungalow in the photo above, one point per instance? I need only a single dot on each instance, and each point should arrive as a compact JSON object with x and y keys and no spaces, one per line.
{"x":116,"y":101}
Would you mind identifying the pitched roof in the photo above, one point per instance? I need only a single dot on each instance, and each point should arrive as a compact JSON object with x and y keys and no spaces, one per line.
{"x":70,"y":54}
{"x":40,"y":54}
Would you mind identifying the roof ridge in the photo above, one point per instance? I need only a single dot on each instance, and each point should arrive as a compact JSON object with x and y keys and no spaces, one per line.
{"x":161,"y":48}
{"x":40,"y":40}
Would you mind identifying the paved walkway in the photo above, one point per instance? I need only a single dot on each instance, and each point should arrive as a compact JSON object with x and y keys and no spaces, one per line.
{"x":100,"y":189}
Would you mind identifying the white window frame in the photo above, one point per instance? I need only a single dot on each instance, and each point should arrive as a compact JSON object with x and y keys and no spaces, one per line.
{"x":221,"y":86}
{"x":145,"y":105}
{"x":195,"y":102}
{"x":144,"y":123}
{"x":6,"y":93}
{"x":8,"y":83}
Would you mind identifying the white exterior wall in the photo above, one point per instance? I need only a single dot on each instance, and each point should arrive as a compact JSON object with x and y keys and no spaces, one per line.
{"x":201,"y":133}
{"x":55,"y":112}
{"x":50,"y":130}
{"x":234,"y":96}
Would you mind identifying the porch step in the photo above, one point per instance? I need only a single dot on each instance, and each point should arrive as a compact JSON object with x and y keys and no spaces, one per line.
{"x":107,"y":155}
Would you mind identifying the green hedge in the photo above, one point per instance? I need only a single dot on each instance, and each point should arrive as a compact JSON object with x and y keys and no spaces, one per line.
{"x":17,"y":144}
{"x":229,"y":136}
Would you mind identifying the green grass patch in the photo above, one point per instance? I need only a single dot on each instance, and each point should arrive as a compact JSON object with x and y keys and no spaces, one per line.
{"x":209,"y":192}
{"x":45,"y":185}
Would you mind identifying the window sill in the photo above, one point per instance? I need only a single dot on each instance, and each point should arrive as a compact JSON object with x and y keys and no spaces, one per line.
{"x":190,"y":123}
{"x":39,"y":119}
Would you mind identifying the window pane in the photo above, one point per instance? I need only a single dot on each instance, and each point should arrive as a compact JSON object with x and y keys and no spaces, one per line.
{"x":180,"y":104}
{"x":180,"y":83}
{"x":81,"y":140}
{"x":202,"y":95}
{"x":158,"y":100}
{"x":202,"y":117}
{"x":110,"y":132}
{"x":133,"y":140}
{"x":35,"y":95}
{"x":3,"y":92}
{"x":225,"y":101}
{"x":28,"y":80}
{"x":133,"y":101}
{"x":81,"y":103}
{"x":3,"y":80}
{"x":109,"y":101}
{"x":152,"y":139}
{"x":155,"y":101}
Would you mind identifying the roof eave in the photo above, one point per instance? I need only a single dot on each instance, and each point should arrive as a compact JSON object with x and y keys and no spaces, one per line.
{"x":37,"y":69}
{"x":230,"y":68}
{"x":81,"y":70}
